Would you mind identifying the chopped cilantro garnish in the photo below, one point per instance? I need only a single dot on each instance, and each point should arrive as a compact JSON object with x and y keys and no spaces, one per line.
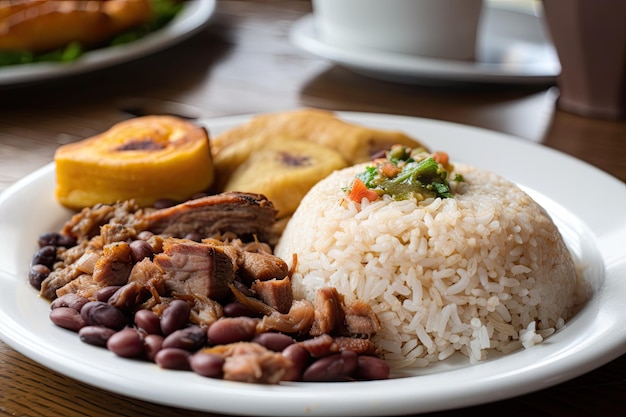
{"x":368,"y":176}
{"x":417,"y":177}
{"x":405,"y":173}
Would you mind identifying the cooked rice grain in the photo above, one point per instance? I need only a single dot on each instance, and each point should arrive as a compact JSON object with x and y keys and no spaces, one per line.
{"x":487,"y":269}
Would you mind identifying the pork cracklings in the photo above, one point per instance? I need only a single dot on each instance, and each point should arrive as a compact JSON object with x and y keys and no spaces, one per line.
{"x":195,"y":286}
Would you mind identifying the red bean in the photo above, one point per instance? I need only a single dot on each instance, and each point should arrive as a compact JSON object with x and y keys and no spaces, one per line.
{"x":68,"y":318}
{"x":232,"y":329}
{"x":145,"y":235}
{"x":196,"y":237}
{"x":56,"y":239}
{"x":207,"y":364}
{"x":273,"y":341}
{"x":175,"y":316}
{"x":127,"y":343}
{"x":98,"y":313}
{"x":45,"y":255}
{"x":173,"y":358}
{"x":371,"y":367}
{"x":95,"y":335}
{"x":238,"y":310}
{"x":148,"y":321}
{"x":128,"y":296}
{"x":336,"y":367}
{"x":319,"y":346}
{"x":189,"y":338}
{"x":299,"y":358}
{"x":139,"y":250}
{"x":104,"y":293}
{"x":36,"y":274}
{"x":152,"y":345}
{"x":70,"y":300}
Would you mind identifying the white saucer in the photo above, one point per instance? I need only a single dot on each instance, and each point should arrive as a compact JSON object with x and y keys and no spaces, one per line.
{"x":513,"y":48}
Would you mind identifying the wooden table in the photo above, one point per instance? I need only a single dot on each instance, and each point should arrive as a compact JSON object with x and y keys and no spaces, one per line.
{"x":244,"y":63}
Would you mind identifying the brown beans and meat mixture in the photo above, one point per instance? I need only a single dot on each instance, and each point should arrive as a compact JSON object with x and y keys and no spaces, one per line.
{"x":195,"y":286}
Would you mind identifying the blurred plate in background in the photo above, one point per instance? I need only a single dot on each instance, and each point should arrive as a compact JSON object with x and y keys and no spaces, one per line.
{"x":193,"y":17}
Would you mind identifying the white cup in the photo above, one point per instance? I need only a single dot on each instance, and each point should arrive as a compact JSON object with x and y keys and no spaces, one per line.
{"x":441,"y":29}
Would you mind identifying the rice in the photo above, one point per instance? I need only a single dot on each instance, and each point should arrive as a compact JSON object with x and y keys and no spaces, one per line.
{"x":485,"y":270}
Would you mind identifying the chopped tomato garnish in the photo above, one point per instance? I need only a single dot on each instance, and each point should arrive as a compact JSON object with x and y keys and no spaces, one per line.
{"x":389,"y":169}
{"x":441,"y":158}
{"x":360,"y":191}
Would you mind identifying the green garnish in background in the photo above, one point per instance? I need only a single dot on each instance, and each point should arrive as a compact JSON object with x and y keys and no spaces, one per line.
{"x":164,"y":12}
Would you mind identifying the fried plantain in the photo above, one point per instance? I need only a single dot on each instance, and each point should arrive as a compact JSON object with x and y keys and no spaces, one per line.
{"x":354,"y":143}
{"x":284,"y":171}
{"x":43,"y":25}
{"x":144,"y":159}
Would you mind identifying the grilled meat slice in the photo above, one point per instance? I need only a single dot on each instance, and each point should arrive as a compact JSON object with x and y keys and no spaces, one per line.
{"x":297,"y":320}
{"x":58,"y":279}
{"x":205,"y":311}
{"x":114,"y":265}
{"x":260,"y":266}
{"x":87,"y":223}
{"x":329,"y":312}
{"x":148,"y":274}
{"x":251,"y":362}
{"x":195,"y":268}
{"x":276,"y":293}
{"x":360,"y":319}
{"x":82,"y":285}
{"x":334,"y":316}
{"x":243,"y":214}
{"x":356,"y":345}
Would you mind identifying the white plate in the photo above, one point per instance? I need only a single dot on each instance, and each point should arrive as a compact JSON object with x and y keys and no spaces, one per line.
{"x":193,"y":16}
{"x":594,"y":228}
{"x":513,"y":48}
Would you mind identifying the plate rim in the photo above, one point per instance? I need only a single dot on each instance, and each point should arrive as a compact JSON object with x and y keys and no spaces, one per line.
{"x":293,"y":401}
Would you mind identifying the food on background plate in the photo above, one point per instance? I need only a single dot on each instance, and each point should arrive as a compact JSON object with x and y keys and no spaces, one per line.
{"x":192,"y":287}
{"x":61,"y":30}
{"x":145,"y":159}
{"x":472,"y":265}
{"x":284,"y":170}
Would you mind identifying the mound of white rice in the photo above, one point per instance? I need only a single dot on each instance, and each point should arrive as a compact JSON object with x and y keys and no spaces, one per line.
{"x":487,"y":269}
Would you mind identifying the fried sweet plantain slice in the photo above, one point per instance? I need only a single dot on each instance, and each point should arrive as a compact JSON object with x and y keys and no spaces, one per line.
{"x":231,"y":157}
{"x":355,"y":143}
{"x":145,"y":159}
{"x":43,"y":25}
{"x":284,"y":171}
